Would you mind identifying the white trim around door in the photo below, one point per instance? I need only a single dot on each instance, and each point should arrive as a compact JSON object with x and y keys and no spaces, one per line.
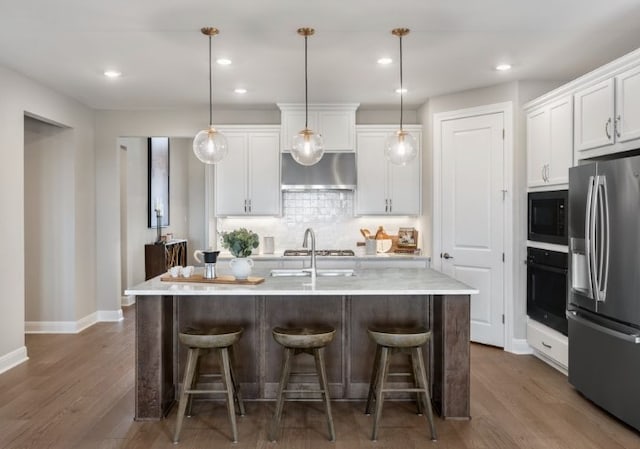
{"x":510,"y":344}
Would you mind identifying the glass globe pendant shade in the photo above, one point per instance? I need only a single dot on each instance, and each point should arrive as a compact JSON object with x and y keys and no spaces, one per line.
{"x":400,"y":148}
{"x":307,"y":148}
{"x":210,"y":146}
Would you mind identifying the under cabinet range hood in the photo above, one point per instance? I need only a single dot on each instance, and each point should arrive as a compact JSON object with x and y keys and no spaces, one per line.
{"x":335,"y":171}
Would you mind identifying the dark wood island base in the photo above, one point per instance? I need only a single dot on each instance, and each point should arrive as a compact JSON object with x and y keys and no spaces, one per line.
{"x":160,"y":359}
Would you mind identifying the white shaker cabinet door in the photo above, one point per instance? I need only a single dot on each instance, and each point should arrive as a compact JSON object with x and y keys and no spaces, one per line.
{"x":404,"y":188}
{"x":594,"y":116}
{"x":628,"y":105}
{"x":537,"y":146}
{"x":560,"y":141}
{"x":338,"y":130}
{"x":264,"y":174}
{"x":372,"y":174}
{"x":231,"y":177}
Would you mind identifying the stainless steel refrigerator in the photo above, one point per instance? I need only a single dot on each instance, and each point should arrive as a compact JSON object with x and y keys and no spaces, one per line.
{"x":604,"y":293}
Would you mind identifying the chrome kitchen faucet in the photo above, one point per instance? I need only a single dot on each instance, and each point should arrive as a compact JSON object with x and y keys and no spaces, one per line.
{"x":308,"y":232}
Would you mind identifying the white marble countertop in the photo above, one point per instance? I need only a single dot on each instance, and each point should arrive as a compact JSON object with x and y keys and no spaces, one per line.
{"x":359,"y":255}
{"x":386,"y":281}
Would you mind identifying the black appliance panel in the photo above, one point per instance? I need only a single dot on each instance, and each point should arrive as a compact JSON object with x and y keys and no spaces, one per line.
{"x":547,"y":288}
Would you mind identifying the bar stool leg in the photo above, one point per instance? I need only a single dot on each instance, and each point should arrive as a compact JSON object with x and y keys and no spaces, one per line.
{"x":284,"y":380}
{"x":228,"y":385}
{"x":382,"y":378}
{"x":416,"y":381}
{"x":318,"y":354}
{"x":192,"y":360}
{"x":373,"y":382}
{"x":427,"y":397}
{"x":194,"y":384}
{"x":236,"y":385}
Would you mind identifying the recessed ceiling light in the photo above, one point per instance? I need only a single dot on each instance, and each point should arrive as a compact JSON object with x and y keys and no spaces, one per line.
{"x":223,"y":61}
{"x":401,"y":91}
{"x":240,"y":90}
{"x":112,"y":74}
{"x":503,"y":67}
{"x":385,"y":61}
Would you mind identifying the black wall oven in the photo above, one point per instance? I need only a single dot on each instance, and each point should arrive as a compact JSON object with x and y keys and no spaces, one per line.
{"x":547,"y":288}
{"x":548,"y":217}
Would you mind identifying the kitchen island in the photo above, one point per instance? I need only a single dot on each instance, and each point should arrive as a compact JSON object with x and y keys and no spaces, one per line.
{"x":381,"y":297}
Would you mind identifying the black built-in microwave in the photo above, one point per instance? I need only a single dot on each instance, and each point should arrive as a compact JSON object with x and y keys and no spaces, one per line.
{"x":548,"y":217}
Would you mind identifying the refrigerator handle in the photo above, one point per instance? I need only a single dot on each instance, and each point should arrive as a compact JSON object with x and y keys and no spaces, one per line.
{"x":595,"y":244}
{"x":588,"y":244}
{"x":631,"y":338}
{"x":605,"y":240}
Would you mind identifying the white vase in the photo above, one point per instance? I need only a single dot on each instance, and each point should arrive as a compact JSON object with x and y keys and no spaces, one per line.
{"x":241,"y":267}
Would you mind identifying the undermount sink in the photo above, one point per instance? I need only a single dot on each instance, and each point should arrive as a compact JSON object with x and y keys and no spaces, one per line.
{"x":320,"y":272}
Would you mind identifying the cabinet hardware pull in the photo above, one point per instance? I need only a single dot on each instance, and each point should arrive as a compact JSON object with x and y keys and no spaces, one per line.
{"x":617,"y":125}
{"x":547,"y":172}
{"x":546,"y":345}
{"x":386,"y":205}
{"x":390,"y":204}
{"x":606,"y":128}
{"x":542,"y":173}
{"x":245,"y":206}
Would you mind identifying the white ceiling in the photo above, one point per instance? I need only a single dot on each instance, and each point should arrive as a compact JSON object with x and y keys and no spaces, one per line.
{"x":453,"y":45}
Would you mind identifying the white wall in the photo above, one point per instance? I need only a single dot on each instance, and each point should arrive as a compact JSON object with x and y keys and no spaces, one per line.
{"x":49,"y":223}
{"x":186,"y":181}
{"x":21,"y":95}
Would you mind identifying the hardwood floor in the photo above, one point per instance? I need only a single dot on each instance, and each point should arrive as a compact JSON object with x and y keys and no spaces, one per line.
{"x":76,"y":391}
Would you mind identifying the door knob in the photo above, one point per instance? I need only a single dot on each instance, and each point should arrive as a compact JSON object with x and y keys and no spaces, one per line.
{"x":446,"y":256}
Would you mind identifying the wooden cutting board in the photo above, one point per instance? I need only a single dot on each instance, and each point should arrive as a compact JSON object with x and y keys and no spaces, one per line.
{"x":217,"y":280}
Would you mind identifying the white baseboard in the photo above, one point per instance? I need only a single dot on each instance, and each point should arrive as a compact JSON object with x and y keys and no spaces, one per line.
{"x":110,"y":315}
{"x":60,"y":327}
{"x":72,"y":327}
{"x":14,"y":358}
{"x":520,"y":346}
{"x":127,"y":300}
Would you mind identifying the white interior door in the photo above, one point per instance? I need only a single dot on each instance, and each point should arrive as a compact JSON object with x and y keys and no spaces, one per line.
{"x":472,"y":243}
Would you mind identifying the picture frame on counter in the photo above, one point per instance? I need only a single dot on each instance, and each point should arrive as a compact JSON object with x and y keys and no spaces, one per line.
{"x":158,"y":182}
{"x":407,"y":238}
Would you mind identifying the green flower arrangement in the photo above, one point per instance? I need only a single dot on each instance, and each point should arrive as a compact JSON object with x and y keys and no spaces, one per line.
{"x":240,"y":242}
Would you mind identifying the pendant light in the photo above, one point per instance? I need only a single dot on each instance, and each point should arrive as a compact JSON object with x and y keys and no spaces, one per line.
{"x":209,"y":145}
{"x":400,"y":147}
{"x":307,"y":148}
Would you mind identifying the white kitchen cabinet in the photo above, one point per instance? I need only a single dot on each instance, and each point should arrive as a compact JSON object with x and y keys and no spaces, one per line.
{"x":335,"y":122}
{"x":550,"y":143}
{"x":608,"y":113}
{"x":548,"y":345}
{"x":247,"y":180}
{"x":385,"y":188}
{"x":628,"y":105}
{"x":594,"y":114}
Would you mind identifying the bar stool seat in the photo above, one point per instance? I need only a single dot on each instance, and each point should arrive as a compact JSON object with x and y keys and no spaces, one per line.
{"x":390,"y":341}
{"x":200,"y":342}
{"x":298,"y":341}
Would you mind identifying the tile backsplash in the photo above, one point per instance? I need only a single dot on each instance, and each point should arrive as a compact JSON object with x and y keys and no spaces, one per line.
{"x":329,"y":213}
{"x":317,"y":206}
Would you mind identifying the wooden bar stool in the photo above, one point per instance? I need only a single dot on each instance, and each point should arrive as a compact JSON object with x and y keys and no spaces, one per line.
{"x":391,"y":341}
{"x":199,"y":343}
{"x":297,"y":341}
